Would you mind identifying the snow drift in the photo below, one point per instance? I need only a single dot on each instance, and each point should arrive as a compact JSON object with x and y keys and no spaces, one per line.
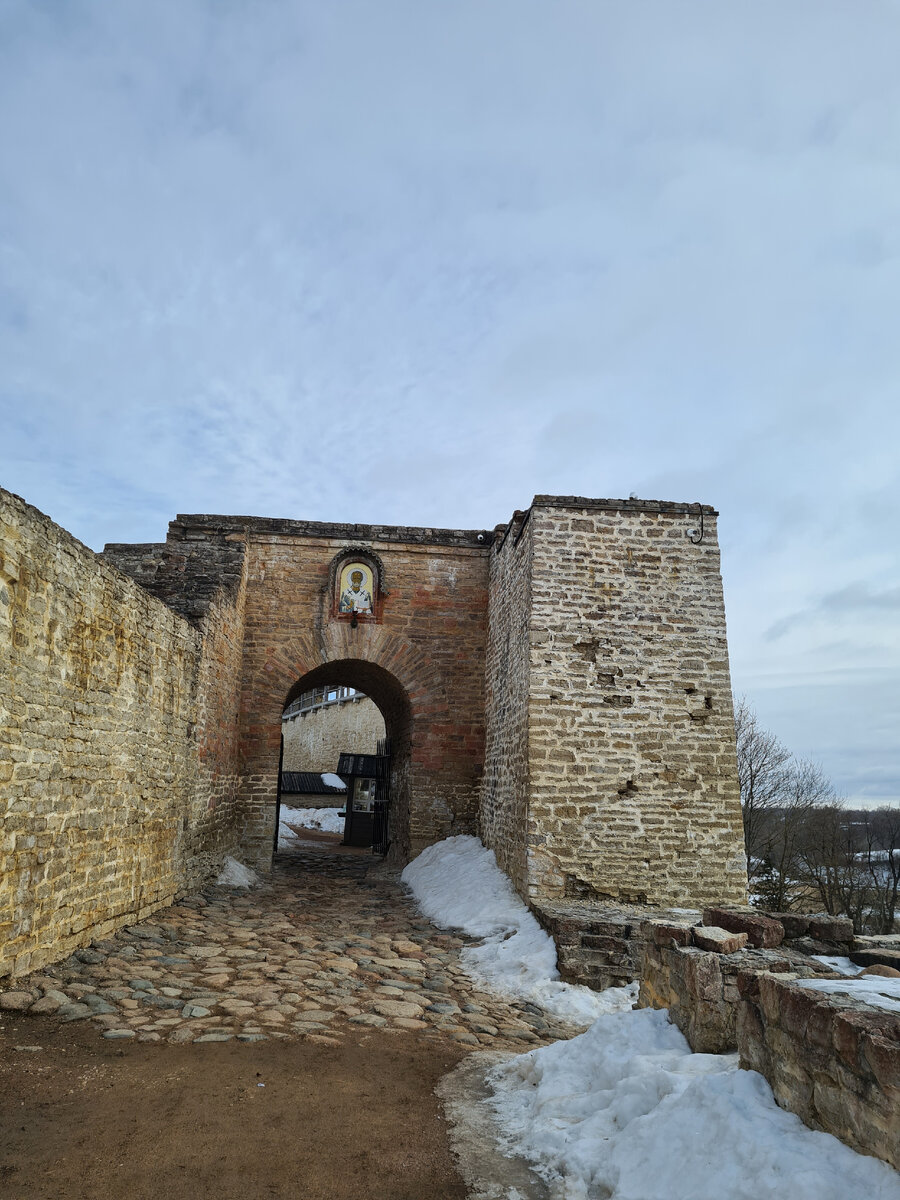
{"x":457,"y":884}
{"x":627,"y":1112}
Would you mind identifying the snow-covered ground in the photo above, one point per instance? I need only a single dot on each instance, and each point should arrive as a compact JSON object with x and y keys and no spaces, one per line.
{"x":625,"y":1111}
{"x":329,"y":820}
{"x":458,"y":885}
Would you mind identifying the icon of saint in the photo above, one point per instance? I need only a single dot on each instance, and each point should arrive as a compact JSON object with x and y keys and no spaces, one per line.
{"x":356,"y":598}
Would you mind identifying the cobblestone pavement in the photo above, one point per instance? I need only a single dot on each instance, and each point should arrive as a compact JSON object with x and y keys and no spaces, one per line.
{"x":329,"y":943}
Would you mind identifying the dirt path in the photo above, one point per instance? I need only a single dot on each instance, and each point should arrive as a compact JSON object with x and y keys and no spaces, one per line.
{"x":86,"y":1118}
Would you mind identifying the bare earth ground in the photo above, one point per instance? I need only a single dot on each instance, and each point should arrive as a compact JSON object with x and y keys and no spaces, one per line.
{"x":326,"y":985}
{"x":85,"y":1118}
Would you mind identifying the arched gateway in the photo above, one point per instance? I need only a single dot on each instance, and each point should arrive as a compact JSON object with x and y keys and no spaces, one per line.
{"x":400,"y":614}
{"x":558,"y":685}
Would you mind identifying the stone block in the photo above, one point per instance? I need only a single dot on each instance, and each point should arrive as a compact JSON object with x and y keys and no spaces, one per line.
{"x":16,"y":1001}
{"x":796,"y":1005}
{"x":826,"y":928}
{"x":876,"y":957}
{"x":849,"y":1027}
{"x":761,"y":931}
{"x":795,"y":924}
{"x":666,"y":934}
{"x":882,"y":1055}
{"x":721,"y":941}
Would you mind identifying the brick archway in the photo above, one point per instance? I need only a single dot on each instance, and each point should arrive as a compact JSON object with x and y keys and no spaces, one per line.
{"x":392,"y":701}
{"x":436,"y":753}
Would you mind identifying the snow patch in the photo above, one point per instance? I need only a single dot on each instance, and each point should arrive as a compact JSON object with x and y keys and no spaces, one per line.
{"x":626,"y":1111}
{"x":235,"y":874}
{"x":329,"y":820}
{"x":879,"y":991}
{"x":838,"y":962}
{"x":333,"y":780}
{"x":457,"y":884}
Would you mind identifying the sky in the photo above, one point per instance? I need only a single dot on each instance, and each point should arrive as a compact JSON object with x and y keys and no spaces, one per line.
{"x":411,"y":262}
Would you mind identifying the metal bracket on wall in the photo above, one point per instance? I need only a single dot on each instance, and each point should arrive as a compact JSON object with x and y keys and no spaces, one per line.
{"x":696,"y":535}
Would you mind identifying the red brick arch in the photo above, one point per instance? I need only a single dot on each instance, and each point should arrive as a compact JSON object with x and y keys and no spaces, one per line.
{"x":421,"y":663}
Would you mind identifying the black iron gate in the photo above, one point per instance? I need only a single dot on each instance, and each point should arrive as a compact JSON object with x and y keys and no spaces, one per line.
{"x":381,"y":835}
{"x":365,"y":825}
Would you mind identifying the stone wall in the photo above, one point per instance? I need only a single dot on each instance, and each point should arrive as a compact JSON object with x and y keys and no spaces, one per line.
{"x":314,"y":740}
{"x":205,"y":581}
{"x":700,"y":987}
{"x":98,"y":757}
{"x":216,"y":820}
{"x":831,"y":1060}
{"x":504,"y":789}
{"x":561,"y":685}
{"x":632,"y":772}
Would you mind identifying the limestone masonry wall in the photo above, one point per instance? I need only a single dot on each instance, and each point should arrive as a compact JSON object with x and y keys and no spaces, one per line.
{"x":98,"y":762}
{"x":314,"y":740}
{"x":734,"y":982}
{"x":632,"y":772}
{"x":504,"y":788}
{"x":830,"y":1059}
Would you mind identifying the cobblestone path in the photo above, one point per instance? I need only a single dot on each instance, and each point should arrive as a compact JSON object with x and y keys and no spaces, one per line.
{"x":328,"y":944}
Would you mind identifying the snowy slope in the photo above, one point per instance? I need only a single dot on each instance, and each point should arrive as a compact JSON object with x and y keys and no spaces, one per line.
{"x":627,"y":1112}
{"x":458,"y":884}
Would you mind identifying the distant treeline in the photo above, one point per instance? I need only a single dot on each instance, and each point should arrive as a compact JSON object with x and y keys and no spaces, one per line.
{"x":805,"y":850}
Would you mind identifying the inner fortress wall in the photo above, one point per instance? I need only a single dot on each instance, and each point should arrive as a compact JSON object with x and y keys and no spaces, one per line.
{"x":314,"y":740}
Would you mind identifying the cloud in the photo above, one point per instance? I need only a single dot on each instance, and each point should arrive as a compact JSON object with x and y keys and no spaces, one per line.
{"x":853,"y":601}
{"x":412,"y":263}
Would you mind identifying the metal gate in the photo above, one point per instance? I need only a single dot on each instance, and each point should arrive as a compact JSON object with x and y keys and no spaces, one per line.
{"x":381,"y":834}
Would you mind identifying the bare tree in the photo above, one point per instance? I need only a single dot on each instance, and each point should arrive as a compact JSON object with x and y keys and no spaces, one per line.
{"x":830,"y":861}
{"x":880,"y":836}
{"x":762,"y":768}
{"x":785,"y":833}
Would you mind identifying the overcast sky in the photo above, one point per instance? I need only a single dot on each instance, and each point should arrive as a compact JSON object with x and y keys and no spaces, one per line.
{"x":411,"y":262}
